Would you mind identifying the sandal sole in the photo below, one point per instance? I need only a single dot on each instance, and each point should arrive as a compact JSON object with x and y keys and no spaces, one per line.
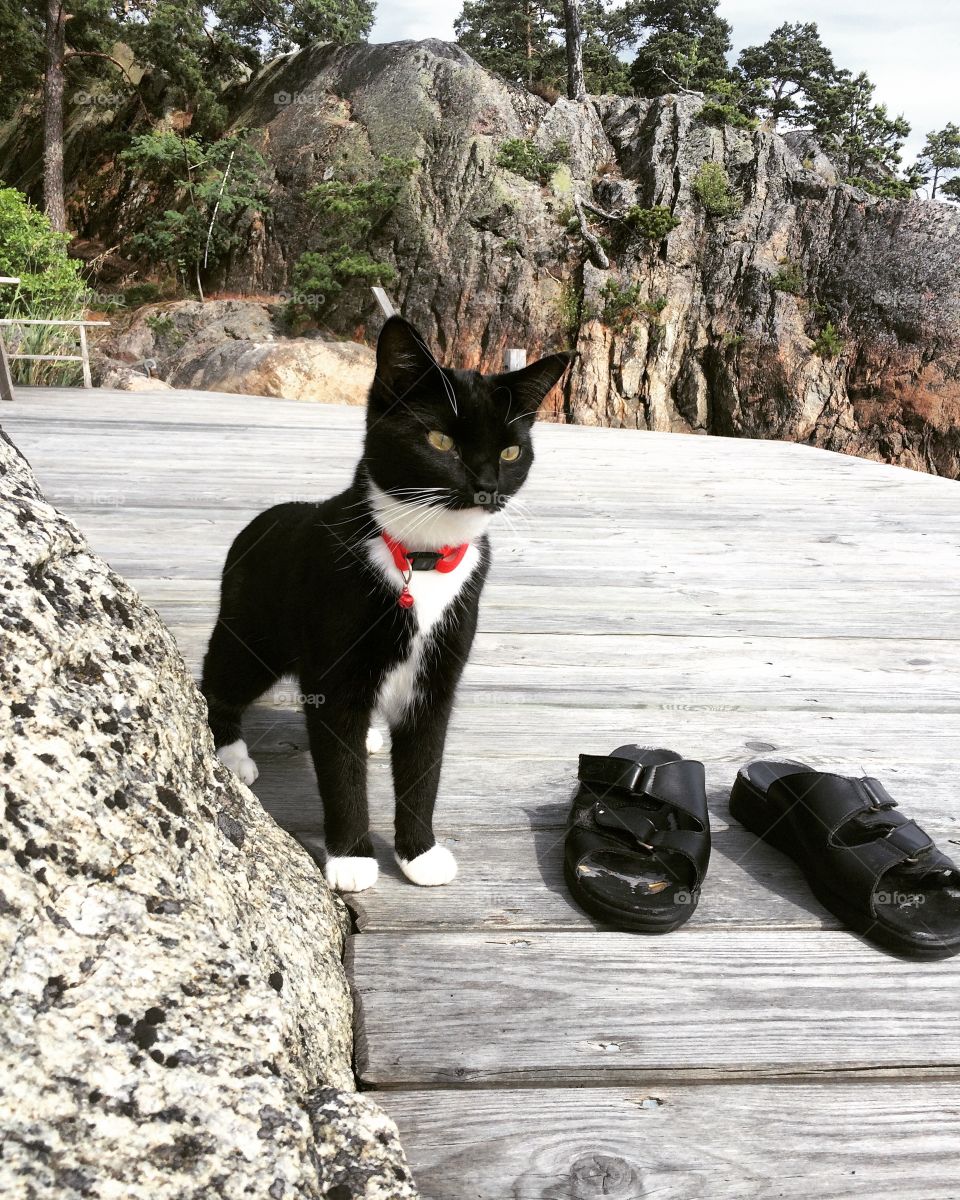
{"x":622,"y":918}
{"x":749,"y":807}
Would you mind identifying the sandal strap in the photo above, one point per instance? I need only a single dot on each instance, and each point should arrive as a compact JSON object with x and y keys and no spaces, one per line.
{"x":861,"y":868}
{"x":833,"y":800}
{"x":680,"y":784}
{"x":692,"y":845}
{"x":627,"y":819}
{"x":608,"y":834}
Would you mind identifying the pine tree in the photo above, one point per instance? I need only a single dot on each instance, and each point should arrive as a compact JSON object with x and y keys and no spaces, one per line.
{"x":271,"y":27}
{"x":861,"y":136}
{"x":789,"y":66}
{"x":525,"y":41}
{"x":685,"y":49}
{"x":514,"y":38}
{"x":186,"y":49}
{"x":573,"y":37}
{"x":939,"y":161}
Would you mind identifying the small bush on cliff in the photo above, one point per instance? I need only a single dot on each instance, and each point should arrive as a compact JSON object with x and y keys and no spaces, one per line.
{"x":570,"y":309}
{"x":789,"y":278}
{"x":711,"y":186}
{"x":653,"y":223}
{"x":888,"y":189}
{"x":623,"y":304}
{"x":141,"y":293}
{"x":728,"y":102}
{"x":164,"y":329}
{"x":349,"y":212}
{"x":828,"y":343}
{"x":521,"y":156}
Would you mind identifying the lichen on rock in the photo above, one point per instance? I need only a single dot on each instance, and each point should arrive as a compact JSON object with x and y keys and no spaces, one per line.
{"x":172,"y":989}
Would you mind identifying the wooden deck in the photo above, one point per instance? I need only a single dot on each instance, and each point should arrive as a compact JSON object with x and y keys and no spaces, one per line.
{"x":729,"y":599}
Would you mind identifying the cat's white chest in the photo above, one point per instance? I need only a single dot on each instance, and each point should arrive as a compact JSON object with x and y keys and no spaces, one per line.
{"x":433,"y":592}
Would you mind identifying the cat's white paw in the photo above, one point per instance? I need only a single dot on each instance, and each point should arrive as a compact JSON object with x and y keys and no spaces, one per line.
{"x":351,"y":873}
{"x":235,"y":757}
{"x":430,"y":869}
{"x":374,"y":740}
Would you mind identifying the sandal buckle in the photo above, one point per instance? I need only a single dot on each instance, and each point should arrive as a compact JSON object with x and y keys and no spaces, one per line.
{"x":878,"y":796}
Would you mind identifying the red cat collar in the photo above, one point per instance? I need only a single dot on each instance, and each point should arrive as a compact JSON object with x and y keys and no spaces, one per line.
{"x":444,"y":560}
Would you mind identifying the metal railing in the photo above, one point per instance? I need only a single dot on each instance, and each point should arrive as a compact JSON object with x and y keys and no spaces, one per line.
{"x":6,"y":357}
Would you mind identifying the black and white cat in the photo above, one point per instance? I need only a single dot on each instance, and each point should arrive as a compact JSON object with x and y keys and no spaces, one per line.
{"x":369,"y":599}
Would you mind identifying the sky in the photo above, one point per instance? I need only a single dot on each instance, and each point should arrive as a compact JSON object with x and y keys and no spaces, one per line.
{"x":908,"y":50}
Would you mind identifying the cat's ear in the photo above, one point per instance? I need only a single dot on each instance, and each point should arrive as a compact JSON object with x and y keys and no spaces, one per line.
{"x":530,"y":386}
{"x":403,"y":361}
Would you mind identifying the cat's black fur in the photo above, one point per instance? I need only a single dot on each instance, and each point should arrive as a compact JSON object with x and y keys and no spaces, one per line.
{"x":300,"y":595}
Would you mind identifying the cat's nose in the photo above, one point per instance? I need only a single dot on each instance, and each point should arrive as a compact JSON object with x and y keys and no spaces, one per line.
{"x":485,"y":492}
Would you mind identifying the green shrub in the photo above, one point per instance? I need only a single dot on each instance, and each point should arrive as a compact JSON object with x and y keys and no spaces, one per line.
{"x":141,"y":293}
{"x":828,"y":343}
{"x":622,"y":305}
{"x":521,"y":156}
{"x":789,"y":278}
{"x":570,"y":309}
{"x":350,"y":211}
{"x":726,"y":104}
{"x":653,"y":223}
{"x":711,"y":186}
{"x":50,"y":281}
{"x":212,"y":186}
{"x":888,"y":189}
{"x":50,"y":286}
{"x":164,"y":328}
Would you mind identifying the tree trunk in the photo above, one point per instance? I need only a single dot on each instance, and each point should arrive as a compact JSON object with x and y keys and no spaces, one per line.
{"x":576,"y":88}
{"x":53,"y":198}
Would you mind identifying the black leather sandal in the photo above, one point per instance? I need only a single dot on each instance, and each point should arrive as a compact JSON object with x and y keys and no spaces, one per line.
{"x":868,"y":864}
{"x":638,"y":838}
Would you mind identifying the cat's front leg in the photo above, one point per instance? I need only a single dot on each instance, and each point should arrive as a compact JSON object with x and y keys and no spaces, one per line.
{"x":416,"y":748}
{"x":338,"y":735}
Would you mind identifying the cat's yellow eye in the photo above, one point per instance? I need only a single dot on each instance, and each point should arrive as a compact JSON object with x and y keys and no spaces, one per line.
{"x":439,"y":441}
{"x":510,"y":454}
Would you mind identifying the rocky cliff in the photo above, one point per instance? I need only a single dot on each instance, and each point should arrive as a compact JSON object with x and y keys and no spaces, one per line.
{"x":710,"y":329}
{"x":809,"y":310}
{"x":176,"y":1019}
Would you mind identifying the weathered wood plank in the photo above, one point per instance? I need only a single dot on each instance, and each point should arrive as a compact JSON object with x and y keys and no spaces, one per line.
{"x":481,"y":793}
{"x":716,"y":672}
{"x":889,"y":743}
{"x":513,"y":879}
{"x":899,"y":1141}
{"x":655,"y":608}
{"x":577,"y":1008}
